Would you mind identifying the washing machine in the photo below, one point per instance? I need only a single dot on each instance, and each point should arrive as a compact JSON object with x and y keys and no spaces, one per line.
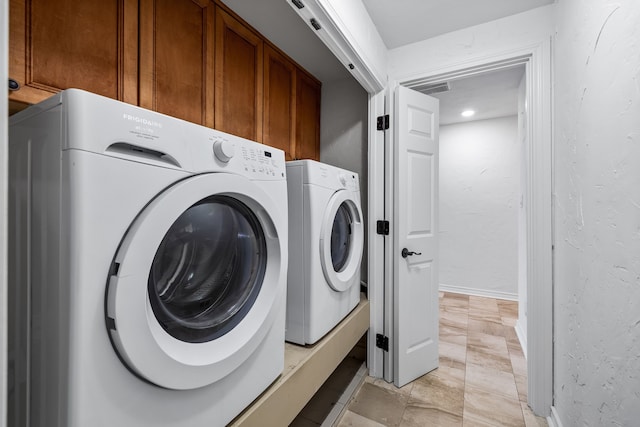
{"x":326,"y":239}
{"x":148,"y":267}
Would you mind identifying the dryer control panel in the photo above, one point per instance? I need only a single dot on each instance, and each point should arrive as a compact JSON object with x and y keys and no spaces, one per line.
{"x":328,"y":176}
{"x":349,"y":181}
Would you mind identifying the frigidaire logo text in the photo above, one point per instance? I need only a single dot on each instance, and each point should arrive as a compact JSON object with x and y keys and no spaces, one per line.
{"x":142,"y":120}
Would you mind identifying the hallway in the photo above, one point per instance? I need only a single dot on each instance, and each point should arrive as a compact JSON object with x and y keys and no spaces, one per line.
{"x":481,"y":381}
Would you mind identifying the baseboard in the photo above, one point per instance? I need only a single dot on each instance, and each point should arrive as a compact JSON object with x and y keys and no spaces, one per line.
{"x":478,"y":292}
{"x":522,"y":337}
{"x":554,"y":419}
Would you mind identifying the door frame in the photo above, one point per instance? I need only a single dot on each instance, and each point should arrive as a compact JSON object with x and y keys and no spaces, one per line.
{"x":537,"y":59}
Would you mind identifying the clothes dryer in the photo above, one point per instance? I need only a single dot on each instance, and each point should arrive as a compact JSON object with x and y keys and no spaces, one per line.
{"x":148,"y":267}
{"x":326,"y":239}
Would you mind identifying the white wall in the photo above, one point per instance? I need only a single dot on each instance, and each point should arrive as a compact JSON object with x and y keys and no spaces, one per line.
{"x":343,"y":136}
{"x":597,"y":213}
{"x":455,"y":48}
{"x":479,"y":200}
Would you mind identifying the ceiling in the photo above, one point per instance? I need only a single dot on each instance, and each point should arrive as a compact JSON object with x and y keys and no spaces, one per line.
{"x":490,"y":95}
{"x":399,"y":22}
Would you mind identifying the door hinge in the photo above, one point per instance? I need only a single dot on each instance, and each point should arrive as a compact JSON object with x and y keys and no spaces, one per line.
{"x":382,"y":227}
{"x":382,"y":342}
{"x":383,"y":122}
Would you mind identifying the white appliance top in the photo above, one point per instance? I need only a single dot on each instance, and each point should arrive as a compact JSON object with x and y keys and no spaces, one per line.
{"x":108,"y":127}
{"x":324,"y":175}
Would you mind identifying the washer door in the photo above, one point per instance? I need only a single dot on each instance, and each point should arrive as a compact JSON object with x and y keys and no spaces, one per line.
{"x":196,"y":281}
{"x":341,"y":241}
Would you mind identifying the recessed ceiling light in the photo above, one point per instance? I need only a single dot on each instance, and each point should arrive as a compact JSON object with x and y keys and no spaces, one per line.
{"x":468,"y":113}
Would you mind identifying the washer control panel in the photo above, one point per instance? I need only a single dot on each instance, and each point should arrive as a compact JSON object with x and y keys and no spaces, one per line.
{"x":252,"y":158}
{"x":213,"y":150}
{"x":260,"y":160}
{"x":224,"y":149}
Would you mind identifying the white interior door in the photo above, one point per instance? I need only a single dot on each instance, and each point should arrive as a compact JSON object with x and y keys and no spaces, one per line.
{"x":415,"y":226}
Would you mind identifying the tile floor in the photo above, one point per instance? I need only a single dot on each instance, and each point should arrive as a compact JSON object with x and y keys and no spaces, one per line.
{"x":481,"y":381}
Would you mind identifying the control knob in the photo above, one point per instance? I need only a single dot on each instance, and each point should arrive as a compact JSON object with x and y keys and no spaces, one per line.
{"x":224,"y":150}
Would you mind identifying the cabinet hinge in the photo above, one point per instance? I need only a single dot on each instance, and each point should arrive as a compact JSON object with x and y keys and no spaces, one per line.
{"x":382,"y":342}
{"x":382,"y":227}
{"x":383,"y":122}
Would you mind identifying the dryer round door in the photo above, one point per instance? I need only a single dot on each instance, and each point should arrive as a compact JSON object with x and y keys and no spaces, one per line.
{"x":197,"y":281}
{"x":341,"y":241}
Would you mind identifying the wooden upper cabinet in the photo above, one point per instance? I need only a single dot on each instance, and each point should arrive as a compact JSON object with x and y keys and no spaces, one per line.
{"x":238,"y":78}
{"x":291,"y":107}
{"x":191,"y":59}
{"x":176,"y":58}
{"x":308,"y":95}
{"x":60,"y":44}
{"x":279,"y":101}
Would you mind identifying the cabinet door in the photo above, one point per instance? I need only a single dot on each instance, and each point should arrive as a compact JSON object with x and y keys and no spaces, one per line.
{"x":176,"y":58}
{"x":60,"y":44}
{"x":238,"y":78}
{"x":279,"y":101}
{"x":307,"y":142}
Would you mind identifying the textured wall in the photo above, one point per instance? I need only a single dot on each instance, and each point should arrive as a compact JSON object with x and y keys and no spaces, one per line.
{"x":479,"y":199}
{"x":597,"y":213}
{"x":343,"y":136}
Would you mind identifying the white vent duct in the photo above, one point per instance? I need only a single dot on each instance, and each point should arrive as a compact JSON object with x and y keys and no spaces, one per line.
{"x":323,"y":20}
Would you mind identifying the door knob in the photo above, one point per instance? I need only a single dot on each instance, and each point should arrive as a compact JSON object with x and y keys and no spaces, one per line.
{"x":406,"y":252}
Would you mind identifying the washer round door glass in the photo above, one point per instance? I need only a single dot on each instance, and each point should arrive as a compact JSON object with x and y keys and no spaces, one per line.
{"x":341,"y":237}
{"x":198,"y":280}
{"x":208,"y":270}
{"x":341,"y":241}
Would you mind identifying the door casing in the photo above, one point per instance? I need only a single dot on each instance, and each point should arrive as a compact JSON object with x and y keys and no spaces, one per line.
{"x":537,"y":60}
